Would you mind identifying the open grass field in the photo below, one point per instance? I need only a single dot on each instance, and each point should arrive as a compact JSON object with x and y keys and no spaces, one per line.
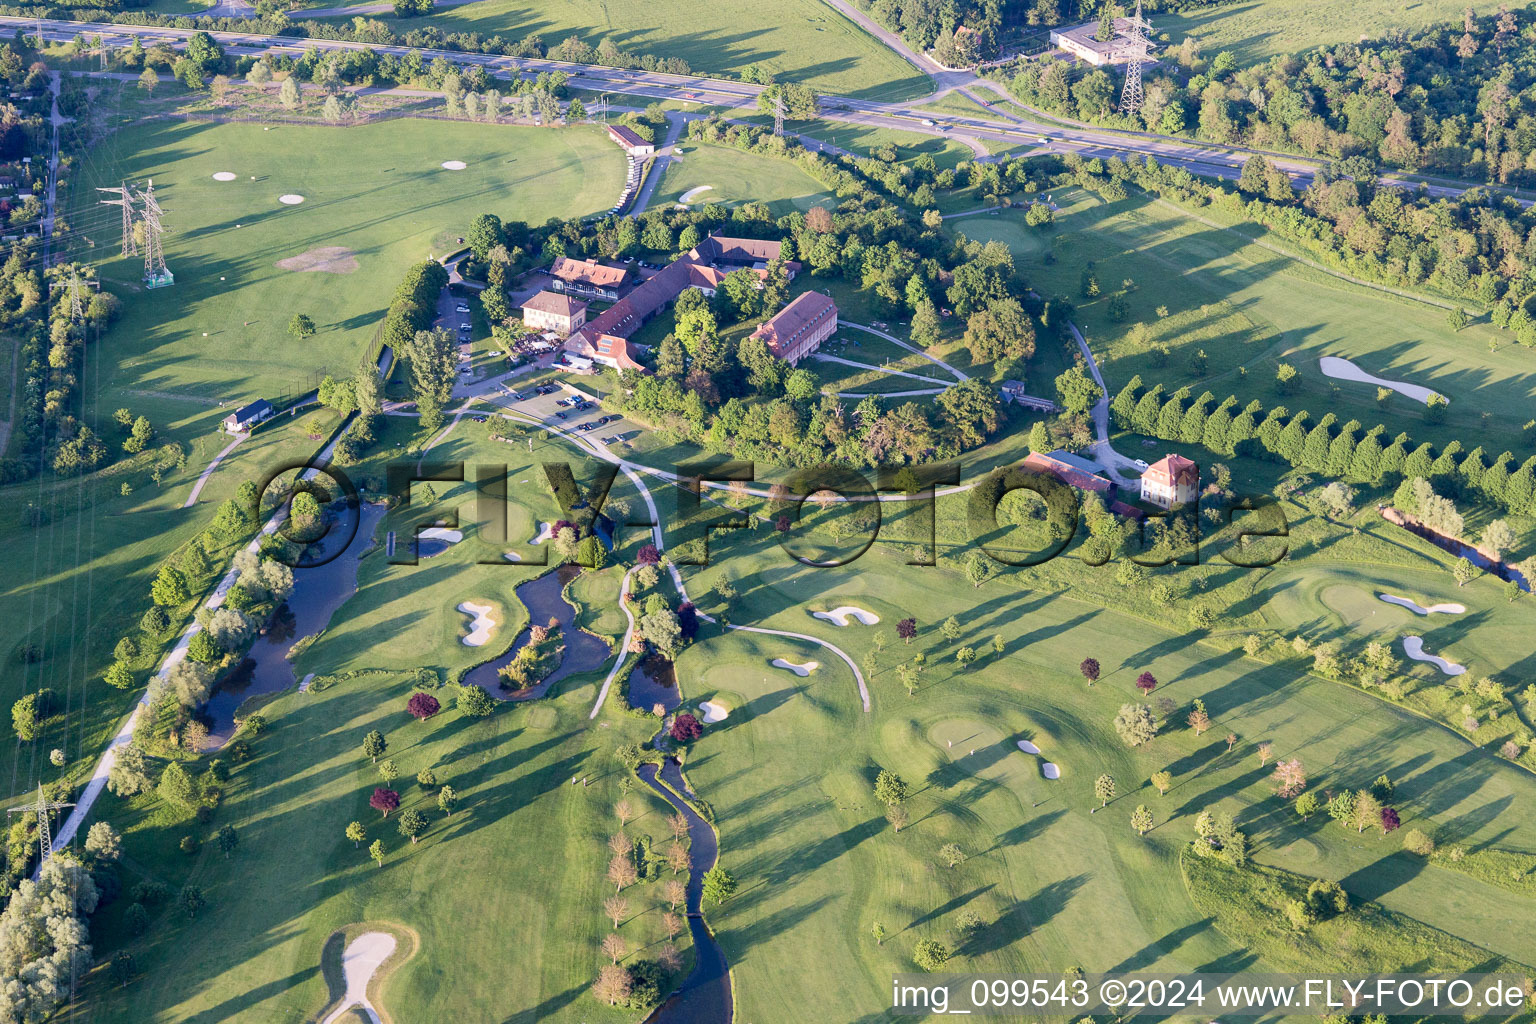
{"x":802,"y":41}
{"x":226,"y":239}
{"x":81,"y":580}
{"x":1054,"y":884}
{"x":1256,"y":30}
{"x":1250,"y":308}
{"x":735,"y":177}
{"x":476,"y":890}
{"x":789,"y":777}
{"x":85,"y":573}
{"x":405,"y":615}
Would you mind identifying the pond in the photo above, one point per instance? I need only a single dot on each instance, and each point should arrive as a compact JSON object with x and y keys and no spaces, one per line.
{"x":545,"y":600}
{"x":317,"y":592}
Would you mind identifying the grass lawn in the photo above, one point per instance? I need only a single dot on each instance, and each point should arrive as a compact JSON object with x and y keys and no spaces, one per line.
{"x":1053,"y":883}
{"x":407,"y":615}
{"x":1250,"y":308}
{"x":735,"y":177}
{"x":86,"y":571}
{"x":798,"y":40}
{"x":227,"y":237}
{"x":475,"y":890}
{"x":83,"y":577}
{"x":1256,"y":30}
{"x":864,"y":140}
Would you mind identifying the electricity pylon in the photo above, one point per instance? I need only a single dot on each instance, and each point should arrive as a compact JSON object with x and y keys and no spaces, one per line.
{"x":156,"y":274}
{"x":778,"y":114}
{"x":1138,"y":47}
{"x":130,"y":246}
{"x":41,"y":809}
{"x":76,"y":307}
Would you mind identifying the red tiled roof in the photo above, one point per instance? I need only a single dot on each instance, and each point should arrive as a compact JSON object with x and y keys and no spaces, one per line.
{"x":1170,"y":469}
{"x":556,"y":303}
{"x":1067,"y":474}
{"x":587,"y":272}
{"x":808,"y":309}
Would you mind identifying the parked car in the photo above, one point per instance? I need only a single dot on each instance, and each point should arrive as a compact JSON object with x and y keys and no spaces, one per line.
{"x":466,"y":327}
{"x":462,"y":307}
{"x":611,"y":439}
{"x":559,"y":414}
{"x":1141,"y":464}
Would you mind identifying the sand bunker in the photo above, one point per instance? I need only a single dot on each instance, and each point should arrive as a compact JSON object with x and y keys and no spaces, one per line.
{"x":1413,"y":646}
{"x":290,"y":199}
{"x":803,"y":669}
{"x":363,"y":956}
{"x":454,"y":165}
{"x":441,"y":533}
{"x":512,"y":556}
{"x":694,"y":193}
{"x":546,"y":532}
{"x":225,"y":176}
{"x":480,"y":628}
{"x":1416,"y":608}
{"x":1333,"y":366}
{"x":327,"y":259}
{"x":1028,"y":747}
{"x":1050,"y":771}
{"x":714,"y":712}
{"x":839,"y":616}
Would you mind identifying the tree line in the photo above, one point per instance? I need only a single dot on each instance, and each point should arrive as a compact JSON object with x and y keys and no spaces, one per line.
{"x":1344,"y":451}
{"x":1450,"y":98}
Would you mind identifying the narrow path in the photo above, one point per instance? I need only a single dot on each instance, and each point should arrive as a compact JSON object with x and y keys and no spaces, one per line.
{"x":890,"y":394}
{"x":197,"y":488}
{"x":98,"y":780}
{"x":1102,"y":450}
{"x":935,"y":360}
{"x":824,"y":357}
{"x":629,"y":632}
{"x":664,"y":156}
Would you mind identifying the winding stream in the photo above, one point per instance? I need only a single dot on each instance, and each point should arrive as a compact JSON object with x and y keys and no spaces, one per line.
{"x":317,"y":592}
{"x":544,"y":600}
{"x":705,"y":995}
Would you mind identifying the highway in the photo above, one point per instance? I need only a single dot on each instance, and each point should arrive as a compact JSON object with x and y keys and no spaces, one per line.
{"x":983,"y":135}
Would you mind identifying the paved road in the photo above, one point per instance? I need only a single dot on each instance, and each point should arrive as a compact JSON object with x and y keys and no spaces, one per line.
{"x":974,"y":131}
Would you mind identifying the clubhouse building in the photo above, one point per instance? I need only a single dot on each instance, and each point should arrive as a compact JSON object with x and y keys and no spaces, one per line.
{"x":605,"y":338}
{"x":554,"y":311}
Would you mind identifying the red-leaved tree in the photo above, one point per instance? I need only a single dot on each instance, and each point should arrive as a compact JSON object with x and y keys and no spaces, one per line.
{"x":648,"y":555}
{"x":1146,"y":682}
{"x":686,"y":728}
{"x":907,"y":629}
{"x":384,"y":800}
{"x":1389,"y":819}
{"x":1090,"y":669}
{"x":422,"y":705}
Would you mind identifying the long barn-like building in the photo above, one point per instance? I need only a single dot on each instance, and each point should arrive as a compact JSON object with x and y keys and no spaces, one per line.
{"x":605,"y":338}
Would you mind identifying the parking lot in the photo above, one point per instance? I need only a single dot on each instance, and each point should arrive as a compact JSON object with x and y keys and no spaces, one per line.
{"x":553,"y":403}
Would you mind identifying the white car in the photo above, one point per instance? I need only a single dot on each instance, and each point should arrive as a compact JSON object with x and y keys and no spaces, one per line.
{"x":1141,"y":464}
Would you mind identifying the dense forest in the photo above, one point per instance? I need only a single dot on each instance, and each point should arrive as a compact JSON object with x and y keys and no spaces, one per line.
{"x":1455,"y":98}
